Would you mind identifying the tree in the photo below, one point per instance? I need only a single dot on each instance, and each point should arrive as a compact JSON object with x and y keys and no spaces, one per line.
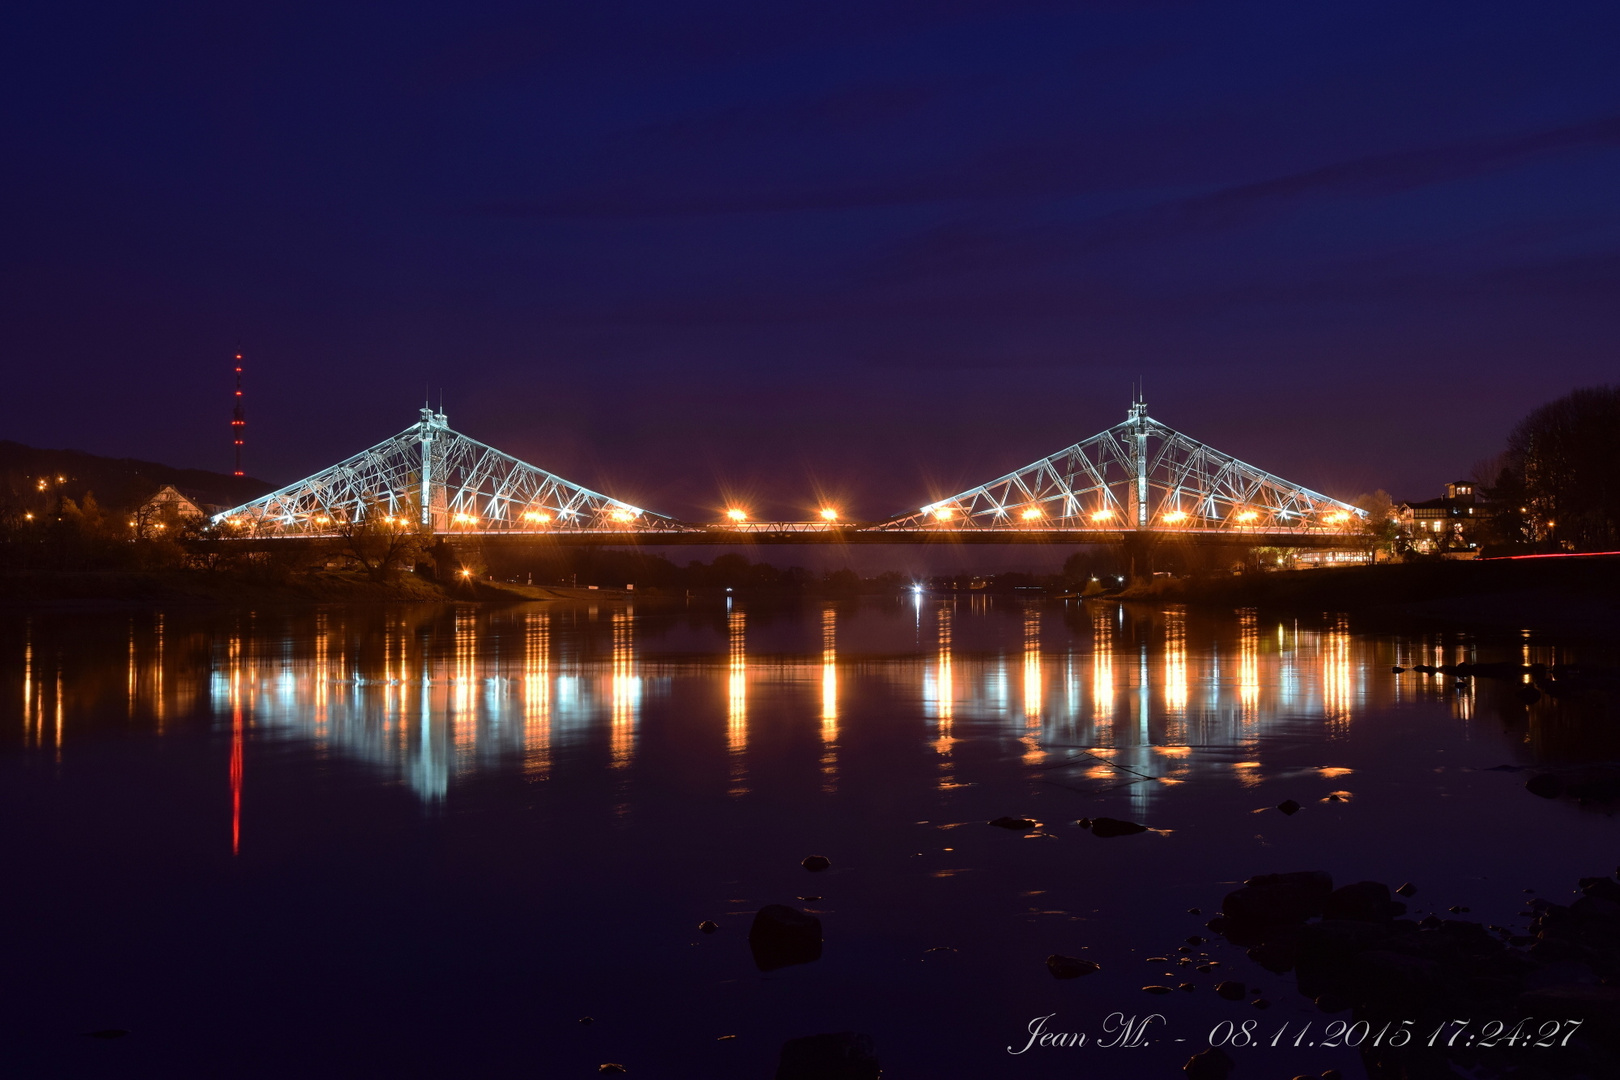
{"x":381,"y":540}
{"x":1381,"y":529}
{"x":1561,"y":461}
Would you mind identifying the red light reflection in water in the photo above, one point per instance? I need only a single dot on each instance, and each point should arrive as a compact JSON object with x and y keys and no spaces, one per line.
{"x":236,"y":781}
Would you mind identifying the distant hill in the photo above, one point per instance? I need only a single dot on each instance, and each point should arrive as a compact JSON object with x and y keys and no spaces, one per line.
{"x":117,"y":483}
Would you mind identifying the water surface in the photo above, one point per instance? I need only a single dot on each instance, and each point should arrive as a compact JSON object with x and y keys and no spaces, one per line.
{"x":427,"y":841}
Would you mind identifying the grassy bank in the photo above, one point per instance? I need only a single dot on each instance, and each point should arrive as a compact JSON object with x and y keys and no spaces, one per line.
{"x":1565,"y":594}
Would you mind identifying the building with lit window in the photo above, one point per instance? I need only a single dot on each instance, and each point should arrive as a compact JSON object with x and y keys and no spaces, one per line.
{"x":1450,"y":524}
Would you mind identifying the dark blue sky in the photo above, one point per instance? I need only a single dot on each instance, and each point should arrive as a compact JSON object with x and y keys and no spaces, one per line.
{"x":881,"y":250}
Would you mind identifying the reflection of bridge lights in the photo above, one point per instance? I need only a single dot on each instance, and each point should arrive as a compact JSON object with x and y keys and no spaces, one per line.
{"x":1247,"y":516}
{"x":1248,"y":665}
{"x":1175,"y":663}
{"x":1175,"y":517}
{"x":539,"y":517}
{"x":1102,"y":515}
{"x":944,"y":513}
{"x":737,"y":513}
{"x":829,"y":514}
{"x":1032,"y":513}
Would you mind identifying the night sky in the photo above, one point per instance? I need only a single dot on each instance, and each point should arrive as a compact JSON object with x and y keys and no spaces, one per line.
{"x":686,"y":252}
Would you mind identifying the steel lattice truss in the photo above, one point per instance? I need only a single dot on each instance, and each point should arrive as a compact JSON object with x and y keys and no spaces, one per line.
{"x":1138,"y":475}
{"x":432,"y":476}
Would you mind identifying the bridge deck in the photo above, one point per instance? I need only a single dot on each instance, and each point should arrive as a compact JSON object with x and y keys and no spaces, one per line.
{"x":798,"y":533}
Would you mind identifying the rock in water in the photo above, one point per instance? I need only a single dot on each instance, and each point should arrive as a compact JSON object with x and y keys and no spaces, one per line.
{"x":841,"y":1056}
{"x":1231,"y":991}
{"x":708,"y":926}
{"x":1289,"y":807}
{"x":1363,"y":901}
{"x":1069,"y":967}
{"x":1018,"y":823}
{"x":816,"y":863}
{"x":611,"y":1067}
{"x":1545,"y":785}
{"x":1211,"y":1064}
{"x":1278,"y":898}
{"x":1406,"y":889}
{"x":781,"y":936}
{"x":1107,"y":826}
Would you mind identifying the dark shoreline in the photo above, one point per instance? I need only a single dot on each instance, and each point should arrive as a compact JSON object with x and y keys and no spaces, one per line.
{"x":1575,"y":596}
{"x":99,"y":589}
{"x":1567,"y":595}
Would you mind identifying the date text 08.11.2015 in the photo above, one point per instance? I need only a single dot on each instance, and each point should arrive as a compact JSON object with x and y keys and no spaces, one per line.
{"x":1449,"y":1033}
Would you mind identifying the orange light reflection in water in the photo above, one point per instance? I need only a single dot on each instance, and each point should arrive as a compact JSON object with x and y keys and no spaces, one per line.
{"x":1175,"y":674}
{"x":944,"y":697}
{"x":1033,"y":754}
{"x":1102,"y":671}
{"x":536,"y":694}
{"x":737,"y":700}
{"x":1248,"y":666}
{"x":625,"y":689}
{"x":1336,"y":685}
{"x":829,"y":698}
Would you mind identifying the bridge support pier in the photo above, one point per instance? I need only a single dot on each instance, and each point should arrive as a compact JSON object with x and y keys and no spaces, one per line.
{"x":1137,"y":549}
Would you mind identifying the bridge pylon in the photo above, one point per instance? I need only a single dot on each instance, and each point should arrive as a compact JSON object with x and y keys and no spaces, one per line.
{"x":436,"y":479}
{"x":1139,"y":477}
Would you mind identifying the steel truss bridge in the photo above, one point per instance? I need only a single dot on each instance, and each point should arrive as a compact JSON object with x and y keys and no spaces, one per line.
{"x":1139,"y":480}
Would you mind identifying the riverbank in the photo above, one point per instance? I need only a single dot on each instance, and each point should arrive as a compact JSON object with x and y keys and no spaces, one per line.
{"x":1566,"y":594}
{"x":126,"y":588}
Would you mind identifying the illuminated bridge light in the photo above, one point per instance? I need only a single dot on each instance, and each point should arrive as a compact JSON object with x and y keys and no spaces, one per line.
{"x":1175,"y":517}
{"x":944,"y":513}
{"x":539,"y":517}
{"x":1338,"y":517}
{"x":1102,"y":515}
{"x":829,"y":514}
{"x":1247,"y":516}
{"x":465,"y":519}
{"x":1032,"y":513}
{"x":622,"y":515}
{"x":737,"y":513}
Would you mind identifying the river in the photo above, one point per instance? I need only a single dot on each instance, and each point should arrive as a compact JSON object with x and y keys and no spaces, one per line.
{"x":433,"y":840}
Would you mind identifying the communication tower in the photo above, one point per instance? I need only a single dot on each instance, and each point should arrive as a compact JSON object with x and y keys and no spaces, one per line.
{"x":238,"y":421}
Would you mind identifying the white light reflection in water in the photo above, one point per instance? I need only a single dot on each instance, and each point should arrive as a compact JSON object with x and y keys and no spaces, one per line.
{"x":430,"y":697}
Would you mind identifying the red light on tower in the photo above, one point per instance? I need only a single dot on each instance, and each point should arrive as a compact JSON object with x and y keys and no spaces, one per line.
{"x":238,"y":421}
